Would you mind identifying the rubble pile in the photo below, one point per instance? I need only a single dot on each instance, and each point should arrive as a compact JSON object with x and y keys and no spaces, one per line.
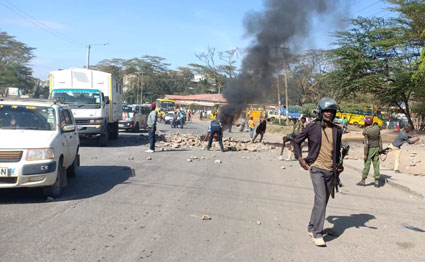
{"x":186,"y":141}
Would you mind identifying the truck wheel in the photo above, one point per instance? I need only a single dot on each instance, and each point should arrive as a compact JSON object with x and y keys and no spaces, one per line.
{"x":103,"y":139}
{"x":56,"y":189}
{"x":136,"y":128}
{"x":72,"y":170}
{"x":115,"y":129}
{"x":271,"y":119}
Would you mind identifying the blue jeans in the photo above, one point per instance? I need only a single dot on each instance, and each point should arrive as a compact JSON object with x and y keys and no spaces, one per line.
{"x":251,"y":132}
{"x":151,"y":134}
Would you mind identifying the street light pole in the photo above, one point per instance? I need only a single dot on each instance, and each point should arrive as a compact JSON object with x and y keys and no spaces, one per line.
{"x":88,"y":53}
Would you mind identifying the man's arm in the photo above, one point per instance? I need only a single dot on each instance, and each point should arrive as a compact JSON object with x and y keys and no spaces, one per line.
{"x":297,"y":147}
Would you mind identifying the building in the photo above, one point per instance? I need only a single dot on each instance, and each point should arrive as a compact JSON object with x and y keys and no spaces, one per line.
{"x":206,"y":100}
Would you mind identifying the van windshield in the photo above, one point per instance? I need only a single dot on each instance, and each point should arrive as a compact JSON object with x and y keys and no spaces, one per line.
{"x":78,"y":98}
{"x":27,"y":117}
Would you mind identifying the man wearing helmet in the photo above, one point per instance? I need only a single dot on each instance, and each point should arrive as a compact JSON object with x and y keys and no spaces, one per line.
{"x":324,"y":151}
{"x":372,"y":146}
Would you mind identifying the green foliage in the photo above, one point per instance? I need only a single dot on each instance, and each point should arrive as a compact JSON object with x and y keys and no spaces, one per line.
{"x":308,"y":108}
{"x":14,"y":59}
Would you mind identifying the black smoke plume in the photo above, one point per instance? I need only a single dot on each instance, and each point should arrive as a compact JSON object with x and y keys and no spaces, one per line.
{"x":280,"y":24}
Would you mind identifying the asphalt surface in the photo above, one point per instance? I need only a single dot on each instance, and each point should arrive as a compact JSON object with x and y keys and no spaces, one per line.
{"x":123,"y":207}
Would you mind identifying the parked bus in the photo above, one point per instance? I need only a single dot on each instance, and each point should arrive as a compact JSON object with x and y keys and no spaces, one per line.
{"x":357,"y":117}
{"x":164,"y":105}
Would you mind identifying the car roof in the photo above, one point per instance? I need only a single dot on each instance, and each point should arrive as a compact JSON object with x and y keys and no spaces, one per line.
{"x":31,"y":102}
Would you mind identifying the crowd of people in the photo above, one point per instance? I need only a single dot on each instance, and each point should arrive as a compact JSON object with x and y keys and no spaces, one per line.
{"x":324,"y":158}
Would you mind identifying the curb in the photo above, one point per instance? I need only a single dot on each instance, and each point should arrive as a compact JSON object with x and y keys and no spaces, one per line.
{"x":393,"y":183}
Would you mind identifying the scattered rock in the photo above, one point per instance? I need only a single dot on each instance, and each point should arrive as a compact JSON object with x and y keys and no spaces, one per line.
{"x":149,"y":158}
{"x":205,"y":217}
{"x":130,"y":158}
{"x":217,"y":161}
{"x":283,"y":167}
{"x":189,"y":160}
{"x":258,"y":222}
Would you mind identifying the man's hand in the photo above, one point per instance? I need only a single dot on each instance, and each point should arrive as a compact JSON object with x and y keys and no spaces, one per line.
{"x":303,"y":163}
{"x":365,"y":158}
{"x":340,"y":169}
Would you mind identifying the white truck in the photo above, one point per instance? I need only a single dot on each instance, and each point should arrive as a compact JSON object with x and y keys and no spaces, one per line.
{"x":95,"y":99}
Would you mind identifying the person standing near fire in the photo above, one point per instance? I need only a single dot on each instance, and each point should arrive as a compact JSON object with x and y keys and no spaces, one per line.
{"x":260,"y":130}
{"x":251,"y":126}
{"x":214,"y":128}
{"x":324,"y":152}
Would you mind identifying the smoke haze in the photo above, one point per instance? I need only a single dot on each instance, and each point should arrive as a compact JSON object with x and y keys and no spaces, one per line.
{"x":281,"y":22}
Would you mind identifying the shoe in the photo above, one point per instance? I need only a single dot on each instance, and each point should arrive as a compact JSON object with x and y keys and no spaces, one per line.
{"x":208,"y":148}
{"x":376,"y":183}
{"x":397,"y":171}
{"x":362,"y":182}
{"x":318,"y":241}
{"x":149,"y":151}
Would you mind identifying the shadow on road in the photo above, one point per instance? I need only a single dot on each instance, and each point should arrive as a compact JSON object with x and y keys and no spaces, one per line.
{"x":341,"y":223}
{"x":90,"y":181}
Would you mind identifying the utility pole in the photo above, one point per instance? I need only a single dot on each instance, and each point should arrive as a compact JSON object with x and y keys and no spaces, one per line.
{"x":286,"y":86}
{"x":278,"y":96}
{"x":88,"y":53}
{"x":88,"y":56}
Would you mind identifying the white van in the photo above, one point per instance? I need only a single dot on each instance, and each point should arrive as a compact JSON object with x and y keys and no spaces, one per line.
{"x":38,"y":145}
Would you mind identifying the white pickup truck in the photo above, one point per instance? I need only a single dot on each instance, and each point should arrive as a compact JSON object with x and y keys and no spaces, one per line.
{"x":38,"y":145}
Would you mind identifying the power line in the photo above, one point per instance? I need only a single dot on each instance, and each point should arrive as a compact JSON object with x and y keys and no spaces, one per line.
{"x":37,"y":23}
{"x":367,"y":7}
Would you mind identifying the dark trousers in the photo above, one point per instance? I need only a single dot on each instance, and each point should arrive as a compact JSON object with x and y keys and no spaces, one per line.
{"x":210,"y":139}
{"x":151,"y":134}
{"x":256,"y":134}
{"x":322,"y":184}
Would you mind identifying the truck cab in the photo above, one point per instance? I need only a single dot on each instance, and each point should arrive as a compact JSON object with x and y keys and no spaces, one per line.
{"x":95,"y":99}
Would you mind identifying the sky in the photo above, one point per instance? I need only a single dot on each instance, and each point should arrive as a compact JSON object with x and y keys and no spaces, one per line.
{"x":175,"y":30}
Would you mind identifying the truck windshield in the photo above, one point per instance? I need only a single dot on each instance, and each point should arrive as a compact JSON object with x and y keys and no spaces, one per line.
{"x":27,"y":117}
{"x":78,"y":98}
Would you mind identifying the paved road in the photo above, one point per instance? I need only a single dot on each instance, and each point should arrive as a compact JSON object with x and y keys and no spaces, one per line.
{"x":122,"y":207}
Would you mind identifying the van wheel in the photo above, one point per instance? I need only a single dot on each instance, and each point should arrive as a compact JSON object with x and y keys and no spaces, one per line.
{"x":72,"y":170}
{"x":56,"y":189}
{"x":356,"y":123}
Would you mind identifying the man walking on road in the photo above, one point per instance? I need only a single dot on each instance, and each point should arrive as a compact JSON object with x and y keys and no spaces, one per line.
{"x":324,"y":152}
{"x":372,"y":146}
{"x":215,"y":127}
{"x":152,"y":118}
{"x":398,"y":142}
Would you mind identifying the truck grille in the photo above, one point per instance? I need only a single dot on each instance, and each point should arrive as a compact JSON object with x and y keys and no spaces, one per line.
{"x":10,"y":156}
{"x":82,"y":121}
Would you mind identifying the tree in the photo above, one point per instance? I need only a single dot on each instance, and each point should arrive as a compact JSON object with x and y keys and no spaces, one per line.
{"x":372,"y":58}
{"x":14,"y":59}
